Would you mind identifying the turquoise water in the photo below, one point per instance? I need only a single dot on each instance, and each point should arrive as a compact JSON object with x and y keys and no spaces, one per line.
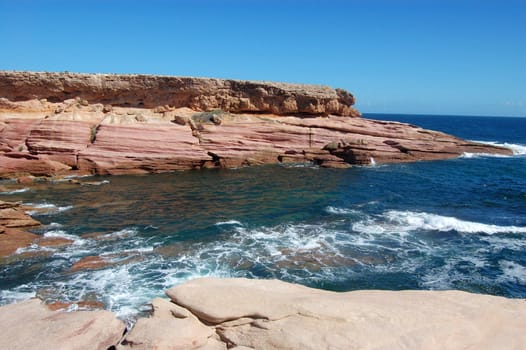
{"x":455,"y":224}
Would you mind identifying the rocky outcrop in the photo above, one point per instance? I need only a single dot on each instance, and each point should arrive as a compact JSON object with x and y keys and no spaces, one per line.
{"x":171,"y":327}
{"x":31,"y":325}
{"x":147,"y":91}
{"x":85,"y":134}
{"x":270,"y":314}
{"x":13,"y":222}
{"x":220,"y":314}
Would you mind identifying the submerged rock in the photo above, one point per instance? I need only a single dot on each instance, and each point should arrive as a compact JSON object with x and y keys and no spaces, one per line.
{"x":13,"y":222}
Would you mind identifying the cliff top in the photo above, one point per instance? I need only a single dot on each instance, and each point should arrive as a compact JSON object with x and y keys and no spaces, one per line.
{"x":203,"y":94}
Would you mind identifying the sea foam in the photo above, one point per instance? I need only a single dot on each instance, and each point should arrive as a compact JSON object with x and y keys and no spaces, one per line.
{"x":407,"y":221}
{"x":20,"y":190}
{"x":517,"y":149}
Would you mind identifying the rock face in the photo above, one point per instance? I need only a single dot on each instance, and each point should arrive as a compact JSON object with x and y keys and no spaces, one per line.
{"x":31,"y":325}
{"x":58,"y":123}
{"x":13,"y":222}
{"x":146,"y":91}
{"x":220,"y":314}
{"x":269,"y":314}
{"x":171,"y":327}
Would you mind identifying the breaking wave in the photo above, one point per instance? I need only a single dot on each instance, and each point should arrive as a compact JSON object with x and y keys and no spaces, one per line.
{"x":517,"y":149}
{"x":347,"y":245}
{"x":407,"y":221}
{"x":46,"y":208}
{"x":20,"y":190}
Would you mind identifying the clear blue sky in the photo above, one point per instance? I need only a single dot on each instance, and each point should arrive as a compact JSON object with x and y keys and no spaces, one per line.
{"x":395,"y":56}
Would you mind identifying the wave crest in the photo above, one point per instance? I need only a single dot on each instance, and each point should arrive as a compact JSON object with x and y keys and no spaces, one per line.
{"x":407,"y":221}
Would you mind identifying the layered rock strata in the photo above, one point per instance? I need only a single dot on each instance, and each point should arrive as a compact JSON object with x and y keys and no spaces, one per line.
{"x":222,"y":314}
{"x":147,"y":91}
{"x":14,"y":221}
{"x":14,"y":235}
{"x":58,"y":123}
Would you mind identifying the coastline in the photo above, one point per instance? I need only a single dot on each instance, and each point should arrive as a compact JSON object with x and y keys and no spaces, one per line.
{"x":76,"y":136}
{"x":57,"y":124}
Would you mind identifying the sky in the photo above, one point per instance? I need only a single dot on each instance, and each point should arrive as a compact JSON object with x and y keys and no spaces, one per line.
{"x":453,"y":57}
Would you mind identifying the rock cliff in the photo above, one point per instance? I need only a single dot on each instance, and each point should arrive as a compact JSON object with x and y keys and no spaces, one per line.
{"x":202,"y":94}
{"x":58,"y":123}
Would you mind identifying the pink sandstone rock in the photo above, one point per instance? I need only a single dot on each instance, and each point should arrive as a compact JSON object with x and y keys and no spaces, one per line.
{"x":31,"y":325}
{"x":151,"y":135}
{"x":270,"y":314}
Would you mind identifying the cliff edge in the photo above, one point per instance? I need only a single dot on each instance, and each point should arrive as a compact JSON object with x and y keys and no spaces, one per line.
{"x":200,"y":94}
{"x":63,"y":123}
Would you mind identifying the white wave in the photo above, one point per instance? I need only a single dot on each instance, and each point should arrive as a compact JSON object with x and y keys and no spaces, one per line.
{"x":513,"y":271}
{"x":21,"y":190}
{"x":47,"y":208}
{"x":347,"y":211}
{"x":16,"y":295}
{"x":339,"y":211}
{"x":95,"y":183}
{"x":469,"y":155}
{"x":228,"y":222}
{"x":62,"y":234}
{"x":306,"y":165}
{"x":517,"y":149}
{"x":34,"y":248}
{"x":76,"y":176}
{"x":141,"y":250}
{"x":407,"y":221}
{"x":126,"y":232}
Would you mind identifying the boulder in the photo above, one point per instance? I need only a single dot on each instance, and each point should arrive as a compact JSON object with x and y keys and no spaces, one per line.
{"x":170,"y":327}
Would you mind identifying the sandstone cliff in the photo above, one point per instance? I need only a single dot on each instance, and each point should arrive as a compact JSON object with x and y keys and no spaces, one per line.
{"x":202,"y":94}
{"x":57,"y":123}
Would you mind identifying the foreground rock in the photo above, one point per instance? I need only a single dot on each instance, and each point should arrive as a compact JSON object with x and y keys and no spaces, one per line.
{"x":60,"y":123}
{"x":269,"y":314}
{"x":31,"y":325}
{"x":220,"y":314}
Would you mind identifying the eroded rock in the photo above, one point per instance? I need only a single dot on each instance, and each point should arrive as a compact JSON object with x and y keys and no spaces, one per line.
{"x":170,"y":327}
{"x":159,"y":124}
{"x":147,"y":91}
{"x":31,"y":325}
{"x":270,"y":314}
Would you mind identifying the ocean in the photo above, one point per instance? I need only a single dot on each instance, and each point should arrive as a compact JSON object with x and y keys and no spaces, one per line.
{"x":454,"y":224}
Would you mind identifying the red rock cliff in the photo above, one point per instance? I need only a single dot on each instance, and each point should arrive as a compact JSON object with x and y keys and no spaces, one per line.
{"x":58,"y":123}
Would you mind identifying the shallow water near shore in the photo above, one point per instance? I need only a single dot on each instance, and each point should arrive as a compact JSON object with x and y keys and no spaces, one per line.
{"x":455,"y":224}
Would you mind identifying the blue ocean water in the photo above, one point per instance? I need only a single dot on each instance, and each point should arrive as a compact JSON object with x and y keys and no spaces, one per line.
{"x":454,"y":224}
